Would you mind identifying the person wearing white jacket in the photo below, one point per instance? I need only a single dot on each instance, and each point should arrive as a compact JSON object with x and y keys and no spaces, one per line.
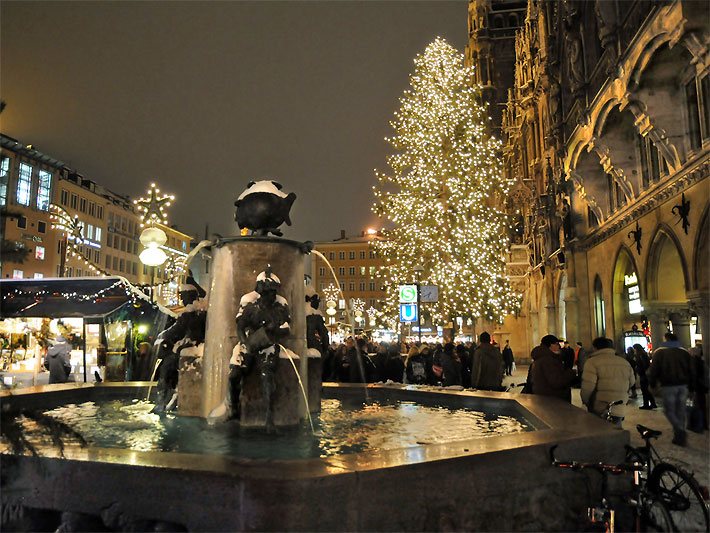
{"x":607,"y":378}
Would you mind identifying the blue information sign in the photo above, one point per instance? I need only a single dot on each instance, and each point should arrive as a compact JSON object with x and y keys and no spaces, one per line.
{"x":408,"y":312}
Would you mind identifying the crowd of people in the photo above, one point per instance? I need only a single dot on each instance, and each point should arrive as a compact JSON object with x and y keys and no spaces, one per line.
{"x":607,"y":376}
{"x":480,"y":366}
{"x":604,"y":374}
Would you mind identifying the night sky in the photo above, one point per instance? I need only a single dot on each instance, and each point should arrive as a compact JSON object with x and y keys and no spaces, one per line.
{"x":204,"y":97}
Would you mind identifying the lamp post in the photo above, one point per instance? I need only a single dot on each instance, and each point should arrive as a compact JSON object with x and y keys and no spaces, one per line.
{"x":418,"y":269}
{"x":153,"y":238}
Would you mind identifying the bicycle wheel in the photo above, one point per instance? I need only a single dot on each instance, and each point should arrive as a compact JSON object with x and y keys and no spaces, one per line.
{"x":655,"y":516}
{"x":681,"y":494}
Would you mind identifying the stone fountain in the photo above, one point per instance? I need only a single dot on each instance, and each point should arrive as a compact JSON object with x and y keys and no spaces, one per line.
{"x":252,"y":379}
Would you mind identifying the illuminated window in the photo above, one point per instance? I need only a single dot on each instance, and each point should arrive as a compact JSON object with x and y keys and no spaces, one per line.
{"x":4,"y":179}
{"x":184,"y":246}
{"x":97,"y":234}
{"x":44,"y":190}
{"x":24,"y":184}
{"x":39,"y":253}
{"x":39,"y":275}
{"x":599,"y":308}
{"x":17,"y":274}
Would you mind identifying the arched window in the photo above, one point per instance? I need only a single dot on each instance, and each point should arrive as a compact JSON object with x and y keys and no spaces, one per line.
{"x":599,"y":308}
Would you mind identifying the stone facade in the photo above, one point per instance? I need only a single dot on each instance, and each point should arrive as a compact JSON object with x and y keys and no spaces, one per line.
{"x":606,"y":137}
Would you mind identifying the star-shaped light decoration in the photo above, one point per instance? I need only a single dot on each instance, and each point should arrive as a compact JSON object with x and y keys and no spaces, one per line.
{"x":63,"y":221}
{"x":153,"y":207}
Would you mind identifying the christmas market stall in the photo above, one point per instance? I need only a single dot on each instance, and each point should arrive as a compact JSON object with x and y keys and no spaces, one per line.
{"x":103,"y":318}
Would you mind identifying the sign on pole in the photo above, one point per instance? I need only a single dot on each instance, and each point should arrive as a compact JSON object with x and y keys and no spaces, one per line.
{"x":407,"y":294}
{"x":429,"y":294}
{"x":408,"y":312}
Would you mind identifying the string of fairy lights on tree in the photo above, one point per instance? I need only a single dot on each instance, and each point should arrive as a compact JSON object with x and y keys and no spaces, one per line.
{"x":441,"y":194}
{"x":73,"y":230}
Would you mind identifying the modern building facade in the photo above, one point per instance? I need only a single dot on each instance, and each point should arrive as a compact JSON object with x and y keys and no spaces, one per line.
{"x":606,"y":137}
{"x":110,"y":226}
{"x":28,"y":180}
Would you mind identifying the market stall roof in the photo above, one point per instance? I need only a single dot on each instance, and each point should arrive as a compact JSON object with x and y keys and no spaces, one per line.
{"x":66,"y":297}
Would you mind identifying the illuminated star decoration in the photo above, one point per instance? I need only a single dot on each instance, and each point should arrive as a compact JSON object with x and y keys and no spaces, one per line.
{"x":152,"y":208}
{"x":63,"y":221}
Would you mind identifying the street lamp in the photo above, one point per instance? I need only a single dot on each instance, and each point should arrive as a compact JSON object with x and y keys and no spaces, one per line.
{"x":153,"y":238}
{"x":418,"y":269}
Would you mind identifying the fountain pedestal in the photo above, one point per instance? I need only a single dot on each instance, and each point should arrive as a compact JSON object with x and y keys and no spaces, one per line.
{"x":236,"y":262}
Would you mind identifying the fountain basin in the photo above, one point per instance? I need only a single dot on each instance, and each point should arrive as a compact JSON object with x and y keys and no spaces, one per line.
{"x":495,"y":483}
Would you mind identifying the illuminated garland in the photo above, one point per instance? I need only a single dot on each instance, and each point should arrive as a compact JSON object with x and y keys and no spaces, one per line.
{"x":73,"y":228}
{"x":443,"y":194}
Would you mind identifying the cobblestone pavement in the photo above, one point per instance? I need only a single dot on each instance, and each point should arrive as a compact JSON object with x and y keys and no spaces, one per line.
{"x":695,"y":457}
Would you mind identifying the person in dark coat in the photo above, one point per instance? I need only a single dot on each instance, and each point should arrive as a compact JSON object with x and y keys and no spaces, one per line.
{"x":671,"y":368}
{"x":394,"y":365}
{"x":57,"y":360}
{"x":487,"y":371}
{"x":548,"y":375}
{"x":428,"y":357}
{"x":450,"y":365}
{"x":466,"y":362}
{"x":567,"y":355}
{"x":508,"y":359}
{"x":643,"y":362}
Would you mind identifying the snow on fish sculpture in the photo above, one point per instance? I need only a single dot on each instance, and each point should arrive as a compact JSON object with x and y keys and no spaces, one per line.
{"x":263,"y":207}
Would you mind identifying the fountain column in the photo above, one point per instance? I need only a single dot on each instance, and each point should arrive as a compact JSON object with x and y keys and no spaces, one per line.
{"x":236,"y":263}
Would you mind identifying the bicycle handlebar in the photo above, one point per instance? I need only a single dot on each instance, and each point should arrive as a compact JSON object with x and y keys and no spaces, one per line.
{"x":599,"y":467}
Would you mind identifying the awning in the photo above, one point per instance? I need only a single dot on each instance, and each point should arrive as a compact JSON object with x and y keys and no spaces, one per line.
{"x":63,"y":297}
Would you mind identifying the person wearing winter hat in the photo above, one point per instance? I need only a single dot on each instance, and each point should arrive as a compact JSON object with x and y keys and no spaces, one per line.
{"x":548,"y":375}
{"x":57,"y":360}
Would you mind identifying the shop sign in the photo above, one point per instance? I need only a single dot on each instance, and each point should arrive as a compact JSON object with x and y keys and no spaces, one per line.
{"x":33,"y":238}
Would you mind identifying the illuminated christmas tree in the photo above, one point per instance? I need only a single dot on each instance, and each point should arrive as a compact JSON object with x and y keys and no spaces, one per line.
{"x":443,"y":193}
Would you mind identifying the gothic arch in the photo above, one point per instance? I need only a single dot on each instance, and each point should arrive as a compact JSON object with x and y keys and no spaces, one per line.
{"x":624,"y":264}
{"x":662,"y":282}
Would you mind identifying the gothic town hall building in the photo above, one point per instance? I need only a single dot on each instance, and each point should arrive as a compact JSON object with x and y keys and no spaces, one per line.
{"x":603,"y":107}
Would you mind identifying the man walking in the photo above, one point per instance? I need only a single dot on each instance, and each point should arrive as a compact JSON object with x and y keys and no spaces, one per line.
{"x":671,"y":368}
{"x":487,"y":371}
{"x":606,"y":379}
{"x":549,"y":377}
{"x":508,"y":359}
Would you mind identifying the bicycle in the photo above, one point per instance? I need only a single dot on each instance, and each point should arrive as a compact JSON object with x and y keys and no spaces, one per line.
{"x":683,"y":496}
{"x":650,"y":513}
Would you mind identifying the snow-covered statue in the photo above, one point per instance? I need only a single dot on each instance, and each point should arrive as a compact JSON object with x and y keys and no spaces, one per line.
{"x":316,"y":333}
{"x":263,"y":207}
{"x":188,"y":331}
{"x":262,"y":321}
